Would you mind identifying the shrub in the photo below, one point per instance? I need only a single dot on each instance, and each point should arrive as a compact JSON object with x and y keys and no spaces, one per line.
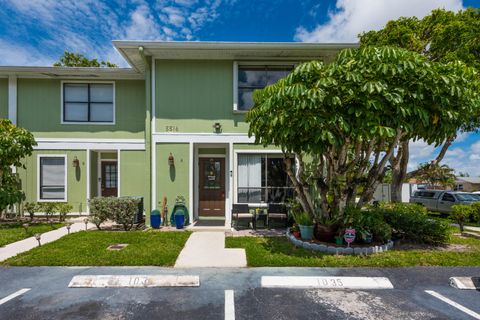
{"x":101,"y":210}
{"x":63,"y":209}
{"x":31,"y":208}
{"x":475,"y":215}
{"x":460,"y":214}
{"x":410,"y":221}
{"x":125,"y":211}
{"x":367,"y":222}
{"x":48,"y":208}
{"x":302,"y":218}
{"x":121,"y":210}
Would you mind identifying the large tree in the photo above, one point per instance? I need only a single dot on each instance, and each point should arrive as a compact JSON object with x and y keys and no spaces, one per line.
{"x":15,"y":144}
{"x":344,"y":120}
{"x":442,"y":36}
{"x":70,"y":59}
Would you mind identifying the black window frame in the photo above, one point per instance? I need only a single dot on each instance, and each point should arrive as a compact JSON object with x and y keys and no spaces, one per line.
{"x":266,"y":68}
{"x":89,"y":102}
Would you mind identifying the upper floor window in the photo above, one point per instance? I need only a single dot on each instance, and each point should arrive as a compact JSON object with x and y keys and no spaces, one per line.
{"x":88,"y":102}
{"x":251,"y":78}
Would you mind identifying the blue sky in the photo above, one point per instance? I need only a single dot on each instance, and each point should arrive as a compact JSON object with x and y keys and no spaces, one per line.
{"x":36,"y":32}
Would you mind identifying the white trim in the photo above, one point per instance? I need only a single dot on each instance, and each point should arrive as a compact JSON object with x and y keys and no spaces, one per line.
{"x":65,"y":157}
{"x":154,"y":116}
{"x":235,"y":86}
{"x":94,"y":144}
{"x":201,"y":138}
{"x":12,"y":98}
{"x":190,"y":180}
{"x":88,"y":180}
{"x":118,"y":174}
{"x":87,"y":123}
{"x":153,"y":174}
{"x":230,"y":184}
{"x":235,"y":166}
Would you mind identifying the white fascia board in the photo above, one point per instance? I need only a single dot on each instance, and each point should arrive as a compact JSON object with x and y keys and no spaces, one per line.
{"x":93,"y":144}
{"x":201,"y":138}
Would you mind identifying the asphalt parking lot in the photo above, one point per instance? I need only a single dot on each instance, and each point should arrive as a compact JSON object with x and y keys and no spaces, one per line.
{"x":417,"y":293}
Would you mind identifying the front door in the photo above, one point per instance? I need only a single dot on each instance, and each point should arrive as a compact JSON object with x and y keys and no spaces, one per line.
{"x":211,"y":187}
{"x":109,"y":179}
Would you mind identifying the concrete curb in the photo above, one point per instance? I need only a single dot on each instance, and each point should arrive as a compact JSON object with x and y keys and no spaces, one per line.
{"x":465,"y":283}
{"x":338,"y":250}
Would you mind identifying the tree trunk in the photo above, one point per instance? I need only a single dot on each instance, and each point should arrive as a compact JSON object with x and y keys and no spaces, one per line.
{"x":399,"y":171}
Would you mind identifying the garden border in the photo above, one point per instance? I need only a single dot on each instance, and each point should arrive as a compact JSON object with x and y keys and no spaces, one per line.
{"x":338,"y":250}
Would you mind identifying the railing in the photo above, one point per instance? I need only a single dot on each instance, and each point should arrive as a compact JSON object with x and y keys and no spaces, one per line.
{"x":264,"y":194}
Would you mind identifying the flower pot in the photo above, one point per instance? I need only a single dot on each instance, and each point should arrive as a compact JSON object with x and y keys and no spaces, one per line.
{"x":179,"y":221}
{"x":296,"y":234}
{"x":306,"y":232}
{"x":339,"y":240}
{"x":324,"y":233}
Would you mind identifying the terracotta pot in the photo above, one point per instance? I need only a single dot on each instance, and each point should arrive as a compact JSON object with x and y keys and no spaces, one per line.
{"x":324,"y":233}
{"x":296,"y":234}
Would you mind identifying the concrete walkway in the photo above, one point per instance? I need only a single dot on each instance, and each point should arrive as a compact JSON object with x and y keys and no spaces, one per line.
{"x":15,"y":248}
{"x":207,"y":249}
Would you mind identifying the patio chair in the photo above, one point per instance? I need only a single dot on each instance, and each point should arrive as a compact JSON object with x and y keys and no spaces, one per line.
{"x":242,"y":211}
{"x":277,"y":211}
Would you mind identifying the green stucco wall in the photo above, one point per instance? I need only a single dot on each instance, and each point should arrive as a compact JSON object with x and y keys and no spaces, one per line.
{"x":245,"y":146}
{"x":172,"y":181}
{"x":193,"y":95}
{"x":76,"y":177}
{"x":132,"y":173}
{"x":212,"y":151}
{"x":4,"y":98}
{"x":39,"y":110}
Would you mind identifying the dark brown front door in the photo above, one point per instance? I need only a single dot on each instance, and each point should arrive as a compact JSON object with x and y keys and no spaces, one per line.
{"x":109,"y":179}
{"x":211,"y":187}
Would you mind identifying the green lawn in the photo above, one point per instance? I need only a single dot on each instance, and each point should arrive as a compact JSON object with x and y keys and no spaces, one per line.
{"x":279,"y":252}
{"x":89,"y":248}
{"x":15,"y":232}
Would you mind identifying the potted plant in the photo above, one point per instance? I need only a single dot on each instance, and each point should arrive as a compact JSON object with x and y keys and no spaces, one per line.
{"x":305,"y":224}
{"x":338,"y":239}
{"x":295,"y":230}
{"x":325,"y":229}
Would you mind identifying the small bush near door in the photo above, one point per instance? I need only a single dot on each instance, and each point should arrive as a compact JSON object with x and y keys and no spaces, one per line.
{"x":121,"y":210}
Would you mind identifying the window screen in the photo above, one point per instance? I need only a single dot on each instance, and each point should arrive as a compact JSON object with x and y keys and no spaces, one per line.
{"x":52,"y":178}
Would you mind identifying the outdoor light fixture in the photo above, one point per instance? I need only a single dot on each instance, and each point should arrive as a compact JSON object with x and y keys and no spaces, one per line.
{"x":86,"y":223}
{"x":37,"y":237}
{"x":25,"y":226}
{"x":69,"y":225}
{"x":171,"y":160}
{"x":217,"y":126}
{"x":75,"y":162}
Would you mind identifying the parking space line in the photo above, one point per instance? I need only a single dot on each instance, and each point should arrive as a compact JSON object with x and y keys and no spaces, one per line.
{"x":326,"y":282}
{"x":453,"y":304}
{"x":14,"y":295}
{"x":229,"y":305}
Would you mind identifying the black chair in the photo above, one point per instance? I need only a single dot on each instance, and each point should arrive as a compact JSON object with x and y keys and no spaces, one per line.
{"x":242,"y":211}
{"x":277,"y":211}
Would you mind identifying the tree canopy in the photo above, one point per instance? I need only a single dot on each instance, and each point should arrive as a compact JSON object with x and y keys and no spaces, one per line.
{"x":348,"y":117}
{"x":442,"y":36}
{"x":15,"y":144}
{"x":70,"y":59}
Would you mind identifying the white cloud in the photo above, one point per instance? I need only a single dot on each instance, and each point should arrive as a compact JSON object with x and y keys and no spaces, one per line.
{"x":142,"y":25}
{"x":13,"y":54}
{"x":352,"y":17}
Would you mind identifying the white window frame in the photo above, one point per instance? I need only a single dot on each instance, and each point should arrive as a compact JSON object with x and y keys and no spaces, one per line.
{"x":235,"y":169}
{"x":64,"y":156}
{"x":63,"y":82}
{"x":236,"y":64}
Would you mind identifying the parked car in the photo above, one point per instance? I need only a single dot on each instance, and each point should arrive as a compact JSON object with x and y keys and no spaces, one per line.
{"x":442,"y":200}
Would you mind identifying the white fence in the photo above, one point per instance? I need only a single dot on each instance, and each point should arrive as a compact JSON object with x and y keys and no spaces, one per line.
{"x":383,"y":192}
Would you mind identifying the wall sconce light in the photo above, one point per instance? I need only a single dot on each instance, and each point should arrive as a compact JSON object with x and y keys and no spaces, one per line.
{"x":217,"y":127}
{"x":75,"y":162}
{"x":171,"y":160}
